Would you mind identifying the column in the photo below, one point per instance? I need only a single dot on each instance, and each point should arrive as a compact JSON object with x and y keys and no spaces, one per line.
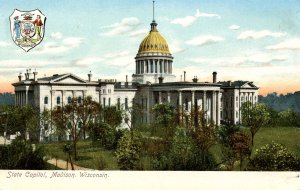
{"x":148,"y":107}
{"x":26,"y":95}
{"x":204,"y":101}
{"x":193,"y":100}
{"x":159,"y":97}
{"x":159,"y":66}
{"x":21,"y":93}
{"x":169,"y":97}
{"x":165,"y":66}
{"x":180,"y":106}
{"x":152,"y":65}
{"x":145,"y":66}
{"x":214,"y":107}
{"x":218,"y":108}
{"x":136,"y":67}
{"x":162,"y":66}
{"x":180,"y":98}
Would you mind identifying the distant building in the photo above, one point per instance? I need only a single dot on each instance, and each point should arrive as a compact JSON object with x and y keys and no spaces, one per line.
{"x":152,"y":83}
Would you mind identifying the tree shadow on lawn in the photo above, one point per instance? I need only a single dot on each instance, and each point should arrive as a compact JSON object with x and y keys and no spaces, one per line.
{"x":80,"y":158}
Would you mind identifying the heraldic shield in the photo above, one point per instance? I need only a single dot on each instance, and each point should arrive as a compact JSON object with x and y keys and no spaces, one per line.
{"x":27,"y":28}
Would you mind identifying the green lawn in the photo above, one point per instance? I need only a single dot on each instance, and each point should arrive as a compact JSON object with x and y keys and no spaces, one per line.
{"x":89,"y":156}
{"x":94,"y":157}
{"x":288,"y":136}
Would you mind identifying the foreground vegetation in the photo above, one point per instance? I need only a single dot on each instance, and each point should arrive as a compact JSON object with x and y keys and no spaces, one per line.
{"x":97,"y":157}
{"x":177,"y":140}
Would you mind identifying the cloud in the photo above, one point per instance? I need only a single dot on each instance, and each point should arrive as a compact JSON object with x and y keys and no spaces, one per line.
{"x":21,"y":64}
{"x":234,"y":27}
{"x":59,"y":47}
{"x":117,"y":54}
{"x":4,"y":44}
{"x":256,"y":59}
{"x":87,"y":61}
{"x":72,"y":41}
{"x":189,"y":20}
{"x":175,"y":47}
{"x":119,"y":28}
{"x":204,"y":40}
{"x":291,"y":44}
{"x":250,"y":34}
{"x":139,"y":33}
{"x":56,"y":35}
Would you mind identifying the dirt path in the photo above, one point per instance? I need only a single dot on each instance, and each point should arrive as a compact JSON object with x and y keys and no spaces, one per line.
{"x":63,"y":165}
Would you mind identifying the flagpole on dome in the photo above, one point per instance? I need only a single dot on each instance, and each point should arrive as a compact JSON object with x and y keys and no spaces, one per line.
{"x":153,"y":11}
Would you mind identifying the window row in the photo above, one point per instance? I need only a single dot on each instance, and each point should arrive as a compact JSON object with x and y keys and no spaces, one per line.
{"x":107,"y":102}
{"x":109,"y":91}
{"x":58,"y":100}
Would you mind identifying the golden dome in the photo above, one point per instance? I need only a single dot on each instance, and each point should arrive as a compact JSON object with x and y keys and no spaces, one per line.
{"x":154,"y":42}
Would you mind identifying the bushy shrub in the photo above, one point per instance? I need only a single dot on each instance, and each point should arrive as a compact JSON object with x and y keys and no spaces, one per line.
{"x":273,"y":157}
{"x":184,"y":154}
{"x":105,"y":135}
{"x":128,"y":152}
{"x":20,"y":155}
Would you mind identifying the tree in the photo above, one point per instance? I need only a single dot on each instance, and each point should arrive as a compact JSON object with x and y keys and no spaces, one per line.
{"x":23,"y":120}
{"x":129,"y":150}
{"x":21,"y":155}
{"x":132,"y":115}
{"x":164,"y":114}
{"x":87,"y":112}
{"x":225,"y":134}
{"x":240,"y":146}
{"x":288,"y":117}
{"x":46,"y":122}
{"x":254,"y":116}
{"x":104,"y":134}
{"x":74,"y":118}
{"x":112,"y":116}
{"x":69,"y":150}
{"x":182,"y":150}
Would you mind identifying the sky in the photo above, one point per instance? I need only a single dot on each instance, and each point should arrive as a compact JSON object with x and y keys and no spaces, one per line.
{"x":251,"y":40}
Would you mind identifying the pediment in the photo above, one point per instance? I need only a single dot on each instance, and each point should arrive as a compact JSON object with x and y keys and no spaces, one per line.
{"x":249,"y":85}
{"x":69,"y":79}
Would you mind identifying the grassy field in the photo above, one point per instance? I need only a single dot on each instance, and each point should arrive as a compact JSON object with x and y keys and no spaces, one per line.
{"x":89,"y":156}
{"x":99,"y":158}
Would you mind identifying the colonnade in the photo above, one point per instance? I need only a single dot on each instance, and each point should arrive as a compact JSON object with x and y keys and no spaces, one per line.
{"x":153,"y":66}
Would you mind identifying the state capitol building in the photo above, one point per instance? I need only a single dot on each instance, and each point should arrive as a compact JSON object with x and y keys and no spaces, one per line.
{"x":152,"y":83}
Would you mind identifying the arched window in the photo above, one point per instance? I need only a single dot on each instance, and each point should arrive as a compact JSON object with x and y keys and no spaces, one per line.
{"x":109,"y":102}
{"x":58,"y":100}
{"x":46,"y":100}
{"x":69,"y":99}
{"x":79,"y":100}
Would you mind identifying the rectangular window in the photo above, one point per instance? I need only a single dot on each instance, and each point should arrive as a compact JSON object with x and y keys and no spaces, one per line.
{"x":108,"y":101}
{"x":104,"y":102}
{"x":119,"y":103}
{"x":58,"y":100}
{"x":126,"y":103}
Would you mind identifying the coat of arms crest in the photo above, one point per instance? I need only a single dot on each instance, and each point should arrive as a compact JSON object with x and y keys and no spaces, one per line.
{"x":27,"y":28}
